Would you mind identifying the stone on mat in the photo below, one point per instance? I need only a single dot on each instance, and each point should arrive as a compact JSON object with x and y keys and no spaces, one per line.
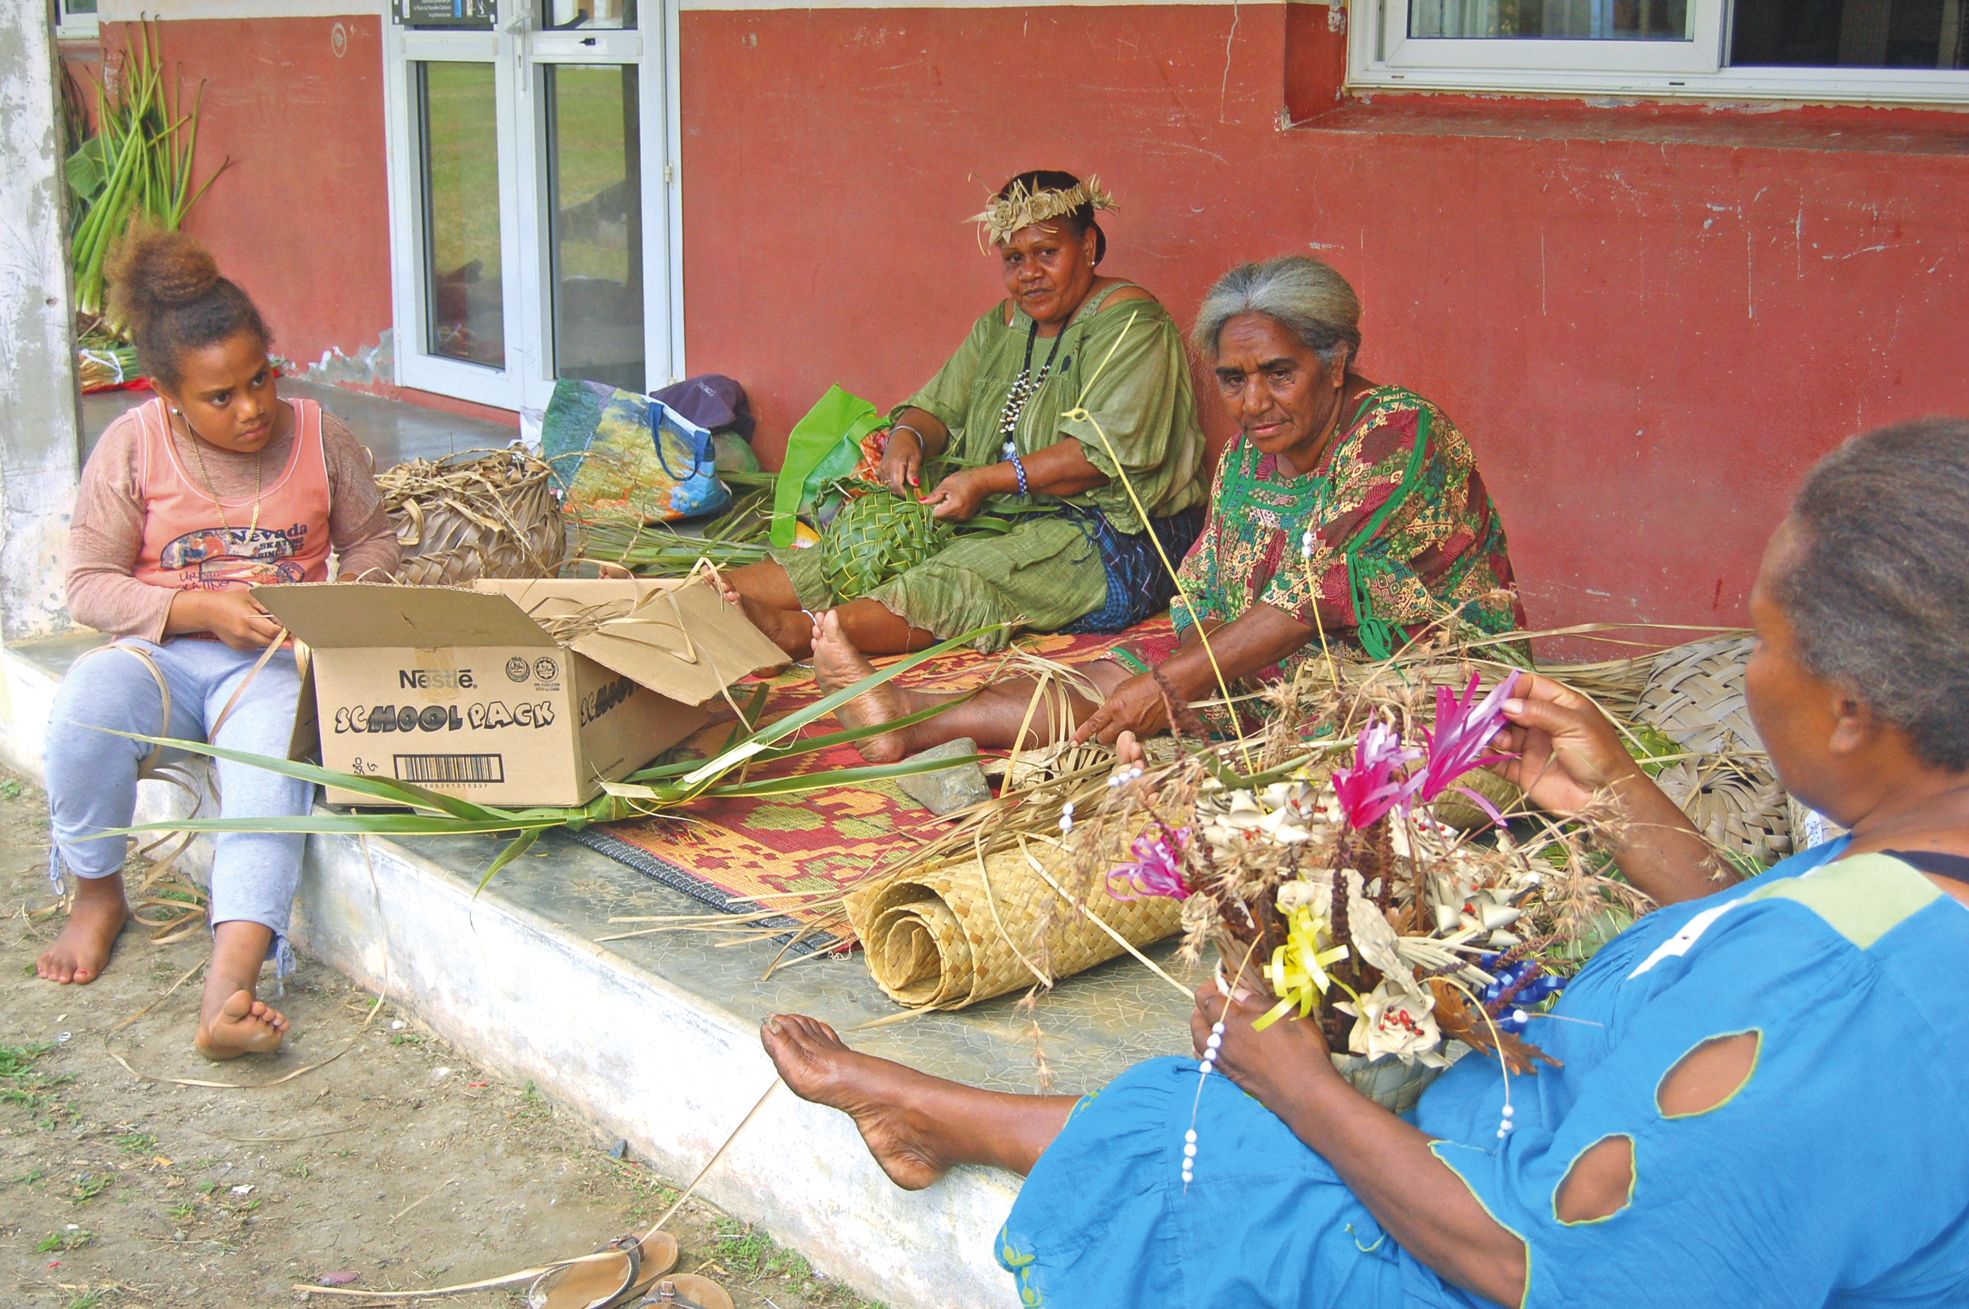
{"x":947,"y":789}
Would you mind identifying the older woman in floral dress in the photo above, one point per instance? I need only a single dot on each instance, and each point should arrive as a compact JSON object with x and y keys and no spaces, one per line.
{"x":1344,"y":511}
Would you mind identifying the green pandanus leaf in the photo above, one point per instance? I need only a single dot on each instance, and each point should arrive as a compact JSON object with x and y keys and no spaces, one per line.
{"x":651,"y":791}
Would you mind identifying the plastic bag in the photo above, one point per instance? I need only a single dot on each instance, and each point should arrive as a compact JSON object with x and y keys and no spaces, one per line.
{"x":823,"y":447}
{"x":620,"y":455}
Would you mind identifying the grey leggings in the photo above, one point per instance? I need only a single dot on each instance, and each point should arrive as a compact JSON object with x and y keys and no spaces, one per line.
{"x":92,"y":775}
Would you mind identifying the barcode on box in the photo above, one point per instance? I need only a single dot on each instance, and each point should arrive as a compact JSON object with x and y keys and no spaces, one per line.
{"x":451,"y":768}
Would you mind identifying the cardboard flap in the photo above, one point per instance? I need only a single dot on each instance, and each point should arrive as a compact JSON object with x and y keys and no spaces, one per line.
{"x":675,"y":637}
{"x":342,"y":615}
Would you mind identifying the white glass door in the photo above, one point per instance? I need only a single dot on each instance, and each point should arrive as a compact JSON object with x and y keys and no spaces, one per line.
{"x":532,"y":206}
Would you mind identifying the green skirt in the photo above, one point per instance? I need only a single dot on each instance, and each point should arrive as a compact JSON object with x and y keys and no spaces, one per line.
{"x":1041,"y":575}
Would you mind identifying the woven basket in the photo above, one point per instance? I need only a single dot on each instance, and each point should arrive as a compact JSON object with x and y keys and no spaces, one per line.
{"x":958,"y":933}
{"x":1695,"y":698}
{"x":1389,"y":1082}
{"x":482,"y":513}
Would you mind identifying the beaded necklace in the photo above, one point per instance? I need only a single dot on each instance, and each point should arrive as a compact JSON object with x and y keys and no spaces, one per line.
{"x":1025,"y":386}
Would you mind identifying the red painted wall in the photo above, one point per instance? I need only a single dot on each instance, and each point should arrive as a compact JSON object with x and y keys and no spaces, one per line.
{"x":301,"y":218}
{"x":1650,"y":319}
{"x":1650,"y":323}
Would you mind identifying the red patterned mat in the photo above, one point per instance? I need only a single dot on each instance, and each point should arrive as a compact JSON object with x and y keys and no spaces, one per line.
{"x":786,"y":852}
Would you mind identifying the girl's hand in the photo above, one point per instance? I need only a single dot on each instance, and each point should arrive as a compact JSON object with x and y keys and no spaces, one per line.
{"x":902,"y":461}
{"x":1271,"y":1065}
{"x":233,"y":616}
{"x":1568,"y":752}
{"x":958,"y":497}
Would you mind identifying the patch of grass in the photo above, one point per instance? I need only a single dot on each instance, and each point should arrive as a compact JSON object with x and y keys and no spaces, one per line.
{"x":532,"y":1104}
{"x":88,"y":1186}
{"x":20,"y":1082}
{"x":741,"y":1247}
{"x":207,"y":1186}
{"x":750,"y":1253}
{"x":655,"y":1200}
{"x":181,"y":1211}
{"x":411,"y":1038}
{"x":87,"y":1300}
{"x":30,"y":1177}
{"x":73,"y":1239}
{"x":300,"y":1170}
{"x":10,"y":789}
{"x":136,"y":1143}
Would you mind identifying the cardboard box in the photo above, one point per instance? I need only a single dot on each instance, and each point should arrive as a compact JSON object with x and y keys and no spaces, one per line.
{"x":512,"y":693}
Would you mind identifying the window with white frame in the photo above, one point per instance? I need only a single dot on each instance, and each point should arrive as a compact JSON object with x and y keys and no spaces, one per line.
{"x":75,"y":18}
{"x":1876,"y":51}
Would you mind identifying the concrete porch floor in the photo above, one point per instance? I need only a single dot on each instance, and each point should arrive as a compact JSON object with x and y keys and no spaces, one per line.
{"x":654,"y":1039}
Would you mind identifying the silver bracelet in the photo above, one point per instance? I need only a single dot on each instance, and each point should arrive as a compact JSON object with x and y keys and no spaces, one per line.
{"x":922,"y":441}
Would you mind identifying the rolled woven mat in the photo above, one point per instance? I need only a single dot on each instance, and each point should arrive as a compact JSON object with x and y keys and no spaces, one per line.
{"x":954,"y":934}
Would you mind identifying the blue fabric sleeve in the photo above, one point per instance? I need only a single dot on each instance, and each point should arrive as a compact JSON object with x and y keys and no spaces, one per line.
{"x":1804,"y":1169}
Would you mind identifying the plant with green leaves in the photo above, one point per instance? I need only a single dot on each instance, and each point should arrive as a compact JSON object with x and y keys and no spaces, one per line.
{"x":137,"y":166}
{"x":731,"y":540}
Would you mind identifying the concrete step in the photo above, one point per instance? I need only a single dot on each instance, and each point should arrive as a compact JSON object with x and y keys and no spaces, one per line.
{"x":654,"y":1038}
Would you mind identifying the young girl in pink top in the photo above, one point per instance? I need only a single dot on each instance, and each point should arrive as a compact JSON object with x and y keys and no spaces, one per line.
{"x":189,"y":500}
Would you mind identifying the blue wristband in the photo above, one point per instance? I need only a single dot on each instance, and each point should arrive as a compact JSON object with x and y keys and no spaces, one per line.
{"x":1019,"y":471}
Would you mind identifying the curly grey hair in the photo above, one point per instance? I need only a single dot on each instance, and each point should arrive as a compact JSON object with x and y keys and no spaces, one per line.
{"x":1302,"y":294}
{"x":1877,"y":593}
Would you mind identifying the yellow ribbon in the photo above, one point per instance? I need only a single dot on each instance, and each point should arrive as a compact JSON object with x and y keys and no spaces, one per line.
{"x":1297,"y":971}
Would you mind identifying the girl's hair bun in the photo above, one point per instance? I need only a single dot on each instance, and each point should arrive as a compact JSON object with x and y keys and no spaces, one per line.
{"x":166,"y":289}
{"x":153,"y":271}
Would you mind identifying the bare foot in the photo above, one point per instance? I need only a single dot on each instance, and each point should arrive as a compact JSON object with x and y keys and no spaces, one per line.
{"x":81,"y":952}
{"x":838,"y":664}
{"x":818,"y":1067}
{"x":240,"y":1025}
{"x":789,"y":629}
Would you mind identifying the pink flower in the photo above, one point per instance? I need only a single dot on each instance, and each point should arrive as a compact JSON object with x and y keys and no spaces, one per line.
{"x":1370,"y":789}
{"x":1157,"y":870}
{"x":1461,"y":740}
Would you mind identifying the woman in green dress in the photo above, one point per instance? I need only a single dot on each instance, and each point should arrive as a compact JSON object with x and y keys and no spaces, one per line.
{"x":1345,"y":513}
{"x":1072,"y":398}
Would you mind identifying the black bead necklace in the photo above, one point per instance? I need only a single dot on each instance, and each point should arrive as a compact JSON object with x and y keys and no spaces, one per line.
{"x":1024,"y":387}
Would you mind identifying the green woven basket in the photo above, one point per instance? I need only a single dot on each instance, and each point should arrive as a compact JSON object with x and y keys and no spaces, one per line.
{"x":875,"y":537}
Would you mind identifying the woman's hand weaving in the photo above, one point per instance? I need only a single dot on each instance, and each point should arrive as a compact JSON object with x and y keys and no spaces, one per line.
{"x":902,"y":460}
{"x":958,"y":497}
{"x":1138,"y":705}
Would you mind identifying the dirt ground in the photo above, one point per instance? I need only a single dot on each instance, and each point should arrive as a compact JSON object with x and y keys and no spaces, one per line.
{"x":399,"y":1164}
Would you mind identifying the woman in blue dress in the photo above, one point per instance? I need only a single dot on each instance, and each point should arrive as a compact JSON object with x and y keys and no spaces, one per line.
{"x":1757,"y":1101}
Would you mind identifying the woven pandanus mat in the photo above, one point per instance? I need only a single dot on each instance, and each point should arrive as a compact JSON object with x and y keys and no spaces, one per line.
{"x":482,"y":513}
{"x":1695,"y":698}
{"x":957,"y":933}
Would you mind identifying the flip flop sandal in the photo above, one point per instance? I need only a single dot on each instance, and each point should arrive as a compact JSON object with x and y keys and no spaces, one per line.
{"x":605,"y":1283}
{"x":687,"y":1291}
